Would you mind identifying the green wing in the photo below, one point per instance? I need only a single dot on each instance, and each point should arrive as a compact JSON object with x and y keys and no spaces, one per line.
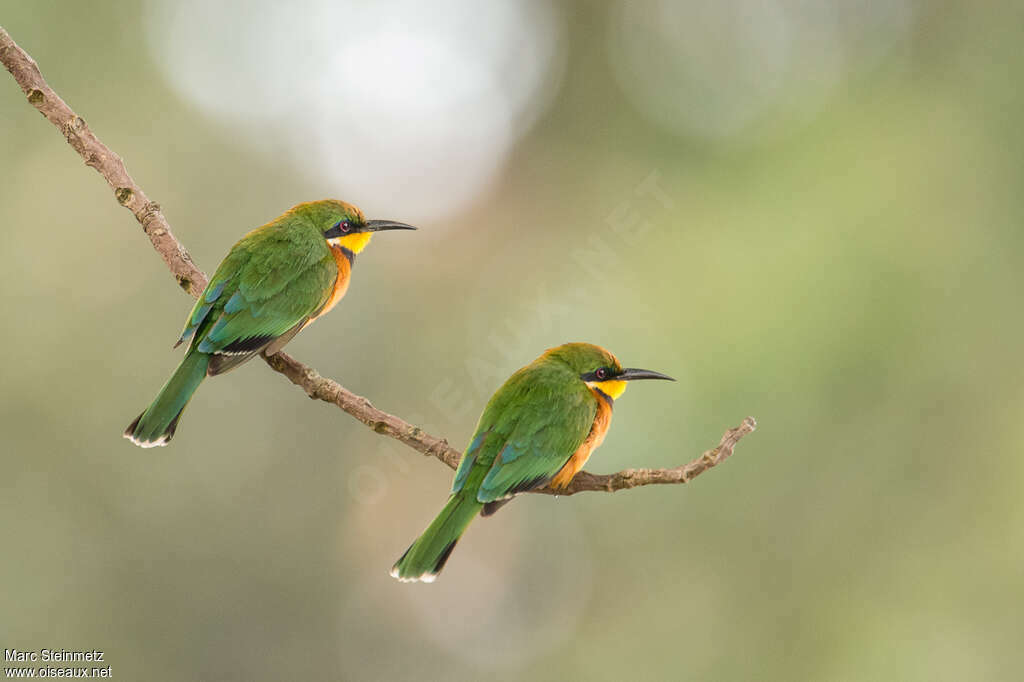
{"x":269,"y":285}
{"x":527,"y":433}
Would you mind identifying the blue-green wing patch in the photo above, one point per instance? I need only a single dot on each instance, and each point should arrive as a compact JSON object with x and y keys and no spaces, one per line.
{"x":265,"y":289}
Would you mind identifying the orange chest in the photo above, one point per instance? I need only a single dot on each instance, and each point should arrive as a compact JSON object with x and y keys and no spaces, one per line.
{"x":602,"y":421}
{"x":340,"y":284}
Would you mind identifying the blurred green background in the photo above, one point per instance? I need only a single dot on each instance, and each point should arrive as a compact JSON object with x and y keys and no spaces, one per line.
{"x":809,"y":213}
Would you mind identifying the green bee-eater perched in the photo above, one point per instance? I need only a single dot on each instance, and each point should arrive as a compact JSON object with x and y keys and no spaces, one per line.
{"x":538,"y":429}
{"x":274,"y":281}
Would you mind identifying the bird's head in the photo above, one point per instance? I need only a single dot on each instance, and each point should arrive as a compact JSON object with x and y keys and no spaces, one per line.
{"x":599,"y":368}
{"x":343,"y":225}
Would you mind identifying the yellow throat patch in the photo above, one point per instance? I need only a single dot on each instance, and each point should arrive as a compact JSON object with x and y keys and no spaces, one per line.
{"x":612,"y":388}
{"x":353,"y":242}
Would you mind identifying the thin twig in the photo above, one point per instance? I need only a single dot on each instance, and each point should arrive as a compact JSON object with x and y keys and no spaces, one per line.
{"x":191,"y":279}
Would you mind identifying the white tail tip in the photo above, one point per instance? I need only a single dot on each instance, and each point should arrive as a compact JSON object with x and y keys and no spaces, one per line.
{"x":158,"y":443}
{"x":425,"y":578}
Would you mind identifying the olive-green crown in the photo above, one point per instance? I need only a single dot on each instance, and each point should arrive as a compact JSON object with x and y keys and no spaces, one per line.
{"x":583,"y":358}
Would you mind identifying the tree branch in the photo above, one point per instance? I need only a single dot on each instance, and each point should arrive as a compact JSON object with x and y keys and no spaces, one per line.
{"x":107,"y":163}
{"x":330,"y":391}
{"x":191,"y":279}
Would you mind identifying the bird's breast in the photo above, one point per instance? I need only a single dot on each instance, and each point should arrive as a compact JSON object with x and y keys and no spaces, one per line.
{"x":602,"y":420}
{"x":340,"y":284}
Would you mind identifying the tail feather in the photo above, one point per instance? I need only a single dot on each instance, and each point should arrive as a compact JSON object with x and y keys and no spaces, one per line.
{"x":427,"y":556}
{"x":157,"y":424}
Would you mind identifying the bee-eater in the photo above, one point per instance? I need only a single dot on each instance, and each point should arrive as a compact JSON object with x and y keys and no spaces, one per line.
{"x":275,"y":281}
{"x":538,"y":429}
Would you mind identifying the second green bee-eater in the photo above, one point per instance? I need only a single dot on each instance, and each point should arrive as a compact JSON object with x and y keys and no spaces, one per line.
{"x":274,"y":282}
{"x":539,"y":429}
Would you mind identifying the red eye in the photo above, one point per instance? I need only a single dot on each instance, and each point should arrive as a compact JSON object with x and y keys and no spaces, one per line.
{"x":601,"y":374}
{"x":344,"y":226}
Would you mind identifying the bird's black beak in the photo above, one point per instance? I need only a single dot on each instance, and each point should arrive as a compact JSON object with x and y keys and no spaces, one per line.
{"x":632,"y":374}
{"x":382,"y":225}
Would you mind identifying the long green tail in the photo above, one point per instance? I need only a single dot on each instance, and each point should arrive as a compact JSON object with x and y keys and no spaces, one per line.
{"x":156,"y":425}
{"x":426,"y":557}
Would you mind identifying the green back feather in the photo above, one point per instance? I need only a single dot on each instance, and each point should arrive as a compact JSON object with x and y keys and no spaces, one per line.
{"x":274,"y":278}
{"x":528,"y":431}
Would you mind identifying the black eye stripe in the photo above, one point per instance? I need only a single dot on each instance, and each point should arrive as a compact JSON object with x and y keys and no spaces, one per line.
{"x":342,"y":227}
{"x":600,"y":374}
